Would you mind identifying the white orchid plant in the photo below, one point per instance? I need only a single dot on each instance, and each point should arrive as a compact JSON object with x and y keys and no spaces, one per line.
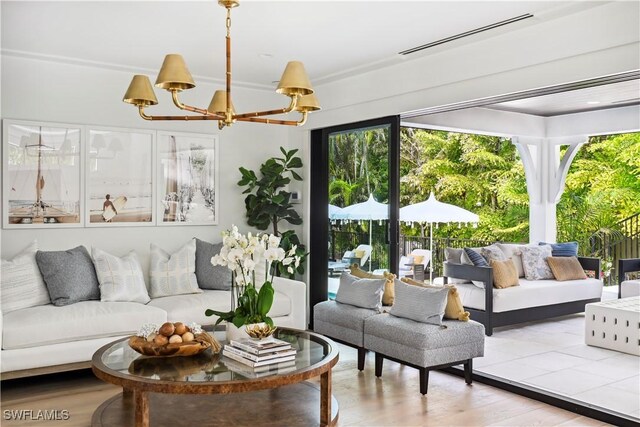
{"x":245,"y":255}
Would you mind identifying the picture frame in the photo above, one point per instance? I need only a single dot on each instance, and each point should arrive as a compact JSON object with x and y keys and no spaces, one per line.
{"x":42,"y":171}
{"x":120,"y":177}
{"x":187,"y":179}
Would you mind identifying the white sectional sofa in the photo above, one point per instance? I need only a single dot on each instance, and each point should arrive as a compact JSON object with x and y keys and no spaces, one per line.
{"x":531,"y":300}
{"x":47,"y":338}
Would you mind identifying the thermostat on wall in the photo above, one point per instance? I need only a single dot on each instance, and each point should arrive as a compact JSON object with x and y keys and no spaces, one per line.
{"x":296,"y":197}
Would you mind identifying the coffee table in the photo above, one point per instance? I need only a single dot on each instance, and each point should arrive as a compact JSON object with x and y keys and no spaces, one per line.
{"x":176,"y":390}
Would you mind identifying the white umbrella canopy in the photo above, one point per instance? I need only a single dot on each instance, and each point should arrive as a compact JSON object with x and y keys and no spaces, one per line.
{"x":334,"y":210}
{"x":371,"y":210}
{"x":432,"y":211}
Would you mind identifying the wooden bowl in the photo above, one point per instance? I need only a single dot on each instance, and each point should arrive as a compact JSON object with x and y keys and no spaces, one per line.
{"x":201,"y":343}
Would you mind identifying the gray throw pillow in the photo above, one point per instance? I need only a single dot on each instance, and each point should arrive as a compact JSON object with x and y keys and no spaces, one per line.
{"x":453,"y":255}
{"x":364,"y":293}
{"x":210,"y":276}
{"x":425,"y":305}
{"x":69,"y":275}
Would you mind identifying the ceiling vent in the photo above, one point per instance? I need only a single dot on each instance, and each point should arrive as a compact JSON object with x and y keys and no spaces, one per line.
{"x":467,"y":34}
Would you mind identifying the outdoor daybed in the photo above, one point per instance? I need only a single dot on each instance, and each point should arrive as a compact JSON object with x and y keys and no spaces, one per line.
{"x":530,"y":300}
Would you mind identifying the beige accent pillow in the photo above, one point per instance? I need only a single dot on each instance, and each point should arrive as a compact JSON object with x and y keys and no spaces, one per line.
{"x":566,"y":268}
{"x":454,"y":309}
{"x":389,"y":294}
{"x":505,"y":274}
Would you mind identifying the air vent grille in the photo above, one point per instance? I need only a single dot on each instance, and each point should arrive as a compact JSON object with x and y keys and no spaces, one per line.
{"x":467,"y":34}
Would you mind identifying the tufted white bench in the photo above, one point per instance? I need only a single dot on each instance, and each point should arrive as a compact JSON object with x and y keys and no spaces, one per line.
{"x":614,"y":325}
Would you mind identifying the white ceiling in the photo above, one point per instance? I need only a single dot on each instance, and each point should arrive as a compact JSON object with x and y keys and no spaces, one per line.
{"x":332,"y":38}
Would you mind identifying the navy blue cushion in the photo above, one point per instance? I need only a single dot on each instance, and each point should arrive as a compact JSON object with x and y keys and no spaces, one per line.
{"x":563,"y":249}
{"x":477,"y":259}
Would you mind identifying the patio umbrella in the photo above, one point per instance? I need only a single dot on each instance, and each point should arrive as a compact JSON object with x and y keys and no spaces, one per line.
{"x":432,"y":211}
{"x":334,"y":210}
{"x":370,"y":210}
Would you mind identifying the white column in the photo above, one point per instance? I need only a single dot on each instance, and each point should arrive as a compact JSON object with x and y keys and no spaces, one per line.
{"x":545,"y":173}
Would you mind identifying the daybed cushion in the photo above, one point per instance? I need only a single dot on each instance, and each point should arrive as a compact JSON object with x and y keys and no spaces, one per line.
{"x":630,"y":288}
{"x":531,"y":293}
{"x":191,"y":307}
{"x":341,"y":321}
{"x":83,"y":320}
{"x":423,"y":344}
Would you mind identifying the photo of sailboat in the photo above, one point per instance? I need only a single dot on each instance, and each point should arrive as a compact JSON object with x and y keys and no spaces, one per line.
{"x":187,"y":179}
{"x":42,"y":174}
{"x":119,"y":177}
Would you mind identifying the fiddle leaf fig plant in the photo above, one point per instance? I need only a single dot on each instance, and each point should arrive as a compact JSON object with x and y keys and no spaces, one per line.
{"x":268,"y":203}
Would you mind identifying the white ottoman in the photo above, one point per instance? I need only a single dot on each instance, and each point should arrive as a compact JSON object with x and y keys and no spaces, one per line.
{"x":630,"y":288}
{"x":614,"y":325}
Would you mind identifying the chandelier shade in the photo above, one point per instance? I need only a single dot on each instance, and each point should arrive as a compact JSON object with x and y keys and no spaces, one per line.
{"x":174,"y":77}
{"x":140,"y":92}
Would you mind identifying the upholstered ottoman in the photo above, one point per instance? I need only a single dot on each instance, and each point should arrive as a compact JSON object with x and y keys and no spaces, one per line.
{"x":614,"y":325}
{"x":424,"y":346}
{"x":343,"y":323}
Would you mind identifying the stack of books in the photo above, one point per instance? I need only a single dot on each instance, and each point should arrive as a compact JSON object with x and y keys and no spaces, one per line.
{"x":261,"y":353}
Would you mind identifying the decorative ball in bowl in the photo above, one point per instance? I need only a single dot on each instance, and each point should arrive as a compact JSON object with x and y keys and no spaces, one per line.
{"x":172,"y":339}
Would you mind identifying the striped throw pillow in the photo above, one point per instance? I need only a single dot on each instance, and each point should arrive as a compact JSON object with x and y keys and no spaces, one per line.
{"x":21,"y":284}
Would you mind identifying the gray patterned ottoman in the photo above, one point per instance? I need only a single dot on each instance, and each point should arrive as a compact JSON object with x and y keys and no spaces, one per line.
{"x":343,"y":323}
{"x":424,"y":346}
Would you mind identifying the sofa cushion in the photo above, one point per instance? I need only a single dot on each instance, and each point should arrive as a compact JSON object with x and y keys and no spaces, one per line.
{"x":173,"y":274}
{"x":534,"y":261}
{"x":364,"y":293}
{"x":341,"y":321}
{"x":531,"y":293}
{"x":419,"y":303}
{"x":121,"y":278}
{"x":563,"y":249}
{"x":191,"y":307}
{"x":630,"y":288}
{"x":505,"y":274}
{"x":566,"y":268}
{"x":48,"y":324}
{"x":69,"y":275}
{"x":211,"y":276}
{"x":21,"y":283}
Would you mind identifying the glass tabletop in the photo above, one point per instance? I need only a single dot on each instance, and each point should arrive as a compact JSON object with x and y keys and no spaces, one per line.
{"x":209,"y":367}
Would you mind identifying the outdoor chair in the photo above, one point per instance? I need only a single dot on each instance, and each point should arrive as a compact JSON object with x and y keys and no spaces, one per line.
{"x":360,"y":255}
{"x":424,"y":257}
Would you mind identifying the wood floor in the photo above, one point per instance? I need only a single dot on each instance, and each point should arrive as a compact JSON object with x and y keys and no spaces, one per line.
{"x":364,"y":400}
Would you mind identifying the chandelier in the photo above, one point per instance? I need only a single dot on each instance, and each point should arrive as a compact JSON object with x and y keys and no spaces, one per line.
{"x":174,"y":76}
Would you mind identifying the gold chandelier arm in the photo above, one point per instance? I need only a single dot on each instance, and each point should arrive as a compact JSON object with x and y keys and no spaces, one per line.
{"x":301,"y":122}
{"x":180,"y":105}
{"x":290,"y":108}
{"x":184,"y":118}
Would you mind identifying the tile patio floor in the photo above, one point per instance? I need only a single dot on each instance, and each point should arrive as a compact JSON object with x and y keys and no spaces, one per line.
{"x":551,"y":356}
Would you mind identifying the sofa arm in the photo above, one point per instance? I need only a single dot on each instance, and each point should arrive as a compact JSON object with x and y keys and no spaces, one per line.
{"x":297,"y":292}
{"x":468,"y":272}
{"x":590,"y":264}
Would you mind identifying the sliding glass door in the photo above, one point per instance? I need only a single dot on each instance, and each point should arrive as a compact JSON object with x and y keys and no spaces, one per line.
{"x":354,"y":202}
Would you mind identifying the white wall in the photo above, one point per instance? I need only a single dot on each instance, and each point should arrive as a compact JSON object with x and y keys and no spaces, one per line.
{"x":50,"y":91}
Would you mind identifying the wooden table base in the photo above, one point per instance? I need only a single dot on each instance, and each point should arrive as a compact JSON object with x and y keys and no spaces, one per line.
{"x":292,"y":405}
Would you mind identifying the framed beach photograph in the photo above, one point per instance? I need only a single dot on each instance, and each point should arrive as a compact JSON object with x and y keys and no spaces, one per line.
{"x":120,"y":170}
{"x":187,"y":172}
{"x":42,"y":174}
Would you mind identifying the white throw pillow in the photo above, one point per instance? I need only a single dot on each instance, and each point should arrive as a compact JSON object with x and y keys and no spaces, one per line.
{"x":121,"y":279}
{"x":534,"y":261}
{"x":21,"y":284}
{"x":173,"y":274}
{"x":513,"y":251}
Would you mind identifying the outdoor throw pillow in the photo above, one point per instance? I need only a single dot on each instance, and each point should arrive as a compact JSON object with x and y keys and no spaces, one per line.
{"x":69,"y":275}
{"x":211,"y":276}
{"x":388,"y":294}
{"x":21,"y":284}
{"x":513,"y":251}
{"x":505,"y":274}
{"x":121,"y":279}
{"x":534,"y":261}
{"x":364,"y":293}
{"x":563,"y":249}
{"x":566,"y":268}
{"x":422,"y":304}
{"x":453,"y":255}
{"x":492,"y":252}
{"x":454,"y":309}
{"x":471,"y":256}
{"x":173,"y":274}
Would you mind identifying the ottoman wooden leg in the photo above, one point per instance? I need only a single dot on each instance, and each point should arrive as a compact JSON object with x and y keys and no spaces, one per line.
{"x":468,"y":370}
{"x":379,"y":360}
{"x":424,"y":380}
